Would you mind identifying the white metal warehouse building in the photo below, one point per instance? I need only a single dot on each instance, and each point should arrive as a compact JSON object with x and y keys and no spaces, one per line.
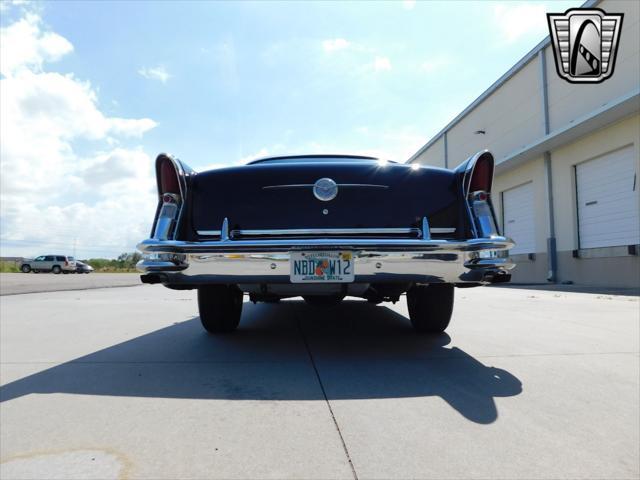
{"x":567,"y":162}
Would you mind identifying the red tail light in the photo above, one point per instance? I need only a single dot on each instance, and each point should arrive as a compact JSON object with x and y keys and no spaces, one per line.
{"x":482,"y":175}
{"x":66,"y":263}
{"x":167,"y":177}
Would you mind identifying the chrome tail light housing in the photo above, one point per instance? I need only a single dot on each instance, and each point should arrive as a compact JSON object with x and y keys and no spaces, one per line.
{"x":167,"y":216}
{"x":483,"y":214}
{"x":477,"y":180}
{"x":171,"y":176}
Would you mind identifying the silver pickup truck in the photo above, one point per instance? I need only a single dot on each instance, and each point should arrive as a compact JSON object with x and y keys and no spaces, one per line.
{"x":49,"y":263}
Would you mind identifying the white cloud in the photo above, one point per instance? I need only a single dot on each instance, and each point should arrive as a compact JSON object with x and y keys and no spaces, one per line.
{"x":6,"y":4}
{"x":436,"y":63}
{"x":116,"y":166}
{"x":381,"y":63}
{"x":408,"y":4}
{"x":130,"y":127}
{"x":25,"y":46}
{"x":515,"y":20}
{"x":335,"y":44}
{"x":159,"y":73}
{"x":263,"y":152}
{"x":49,"y":193}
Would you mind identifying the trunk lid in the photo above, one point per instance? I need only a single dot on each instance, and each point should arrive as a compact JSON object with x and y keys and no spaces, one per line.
{"x":280,"y":196}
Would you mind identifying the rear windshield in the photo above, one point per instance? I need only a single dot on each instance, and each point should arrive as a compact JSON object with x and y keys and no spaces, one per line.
{"x":316,"y":159}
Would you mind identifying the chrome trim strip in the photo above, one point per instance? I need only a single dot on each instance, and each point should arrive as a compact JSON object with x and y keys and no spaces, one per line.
{"x":378,"y":244}
{"x":338,"y":231}
{"x":310,"y":185}
{"x":292,"y":185}
{"x":324,"y":231}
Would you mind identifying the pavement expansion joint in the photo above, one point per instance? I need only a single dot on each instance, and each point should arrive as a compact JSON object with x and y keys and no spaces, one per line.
{"x":326,"y":399}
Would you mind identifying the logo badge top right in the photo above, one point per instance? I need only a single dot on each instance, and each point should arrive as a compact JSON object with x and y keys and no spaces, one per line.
{"x":585,"y":43}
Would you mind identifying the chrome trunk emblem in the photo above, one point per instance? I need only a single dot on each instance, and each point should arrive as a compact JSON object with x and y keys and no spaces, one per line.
{"x":325,"y":189}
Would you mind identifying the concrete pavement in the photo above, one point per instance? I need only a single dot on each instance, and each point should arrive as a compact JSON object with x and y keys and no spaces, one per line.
{"x":124,"y":383}
{"x":14,"y":283}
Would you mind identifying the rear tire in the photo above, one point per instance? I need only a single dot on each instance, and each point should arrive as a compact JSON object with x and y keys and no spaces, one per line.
{"x":323,"y":300}
{"x":25,"y":268}
{"x":56,"y":269}
{"x":430,"y":307}
{"x":220,"y":307}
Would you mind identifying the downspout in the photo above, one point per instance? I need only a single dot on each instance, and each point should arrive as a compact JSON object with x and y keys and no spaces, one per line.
{"x":446,"y":150}
{"x":552,"y":253}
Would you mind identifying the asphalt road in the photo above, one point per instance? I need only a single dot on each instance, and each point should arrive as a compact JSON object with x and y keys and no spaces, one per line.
{"x":13,"y":283}
{"x":123,"y":383}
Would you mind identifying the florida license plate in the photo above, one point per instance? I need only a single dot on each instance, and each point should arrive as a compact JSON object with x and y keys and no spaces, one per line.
{"x":322,"y":267}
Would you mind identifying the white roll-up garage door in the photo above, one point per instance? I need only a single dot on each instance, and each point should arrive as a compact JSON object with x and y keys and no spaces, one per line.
{"x":519,"y":223}
{"x":608,"y":203}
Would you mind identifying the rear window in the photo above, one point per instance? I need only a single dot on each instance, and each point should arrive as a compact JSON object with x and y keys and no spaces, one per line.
{"x":60,"y":259}
{"x":317,"y":159}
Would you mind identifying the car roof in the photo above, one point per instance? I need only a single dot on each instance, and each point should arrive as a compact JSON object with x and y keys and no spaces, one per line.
{"x":319,"y":157}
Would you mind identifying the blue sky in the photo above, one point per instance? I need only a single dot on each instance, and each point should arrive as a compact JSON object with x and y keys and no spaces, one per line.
{"x":108,"y":85}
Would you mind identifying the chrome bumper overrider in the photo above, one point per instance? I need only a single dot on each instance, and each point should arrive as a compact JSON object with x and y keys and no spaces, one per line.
{"x":376,"y":260}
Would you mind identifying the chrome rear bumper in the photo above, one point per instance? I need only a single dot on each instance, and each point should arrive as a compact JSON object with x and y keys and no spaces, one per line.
{"x":188,"y":264}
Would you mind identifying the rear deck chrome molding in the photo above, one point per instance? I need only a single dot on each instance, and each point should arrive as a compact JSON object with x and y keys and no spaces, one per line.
{"x":327,"y":231}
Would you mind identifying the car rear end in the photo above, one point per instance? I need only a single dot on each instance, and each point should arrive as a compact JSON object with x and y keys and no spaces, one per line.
{"x":400,"y":223}
{"x":67,"y":263}
{"x":325,"y":227}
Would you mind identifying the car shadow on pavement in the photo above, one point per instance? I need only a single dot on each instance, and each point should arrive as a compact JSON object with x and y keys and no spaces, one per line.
{"x":357,"y":350}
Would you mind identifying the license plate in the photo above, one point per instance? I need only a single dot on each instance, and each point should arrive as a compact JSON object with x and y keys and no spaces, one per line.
{"x":322,"y":267}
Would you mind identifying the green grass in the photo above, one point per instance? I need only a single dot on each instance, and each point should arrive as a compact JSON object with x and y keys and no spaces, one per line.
{"x":115,"y":270}
{"x":9,"y":267}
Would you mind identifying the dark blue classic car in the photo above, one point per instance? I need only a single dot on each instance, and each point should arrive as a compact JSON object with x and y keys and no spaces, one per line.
{"x":324,"y":227}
